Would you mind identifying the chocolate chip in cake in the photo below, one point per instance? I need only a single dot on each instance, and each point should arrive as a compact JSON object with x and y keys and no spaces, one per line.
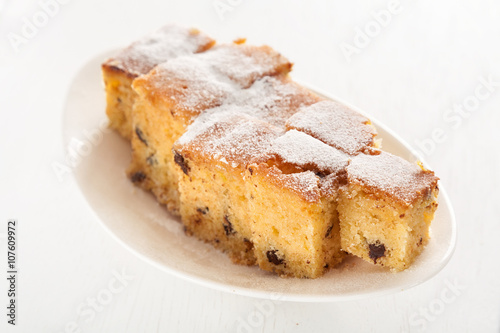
{"x":140,"y":135}
{"x":320,"y":174}
{"x":180,"y":161}
{"x":273,"y":258}
{"x":401,"y":216}
{"x":119,"y":100}
{"x":228,"y":226}
{"x":251,"y":171}
{"x":377,"y":250}
{"x":151,"y":160}
{"x":329,"y":231}
{"x":326,"y":266}
{"x":420,"y":242}
{"x":202,"y":210}
{"x":138,"y":177}
{"x":248,"y":245}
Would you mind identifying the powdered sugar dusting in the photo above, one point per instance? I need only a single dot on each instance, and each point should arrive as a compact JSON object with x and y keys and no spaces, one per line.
{"x":274,"y":99}
{"x":244,"y":64}
{"x":169,"y":42}
{"x":193,"y":84}
{"x":391,"y":175}
{"x":305,"y":183}
{"x":307,"y":152}
{"x":228,"y":135}
{"x":336,"y":125}
{"x":219,"y":76}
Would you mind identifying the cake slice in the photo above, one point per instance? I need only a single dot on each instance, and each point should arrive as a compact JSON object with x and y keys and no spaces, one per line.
{"x":212,"y":157}
{"x":336,"y":125}
{"x":274,"y":99}
{"x":169,"y":42}
{"x":175,"y":93}
{"x":292,"y":192}
{"x":386,"y":209}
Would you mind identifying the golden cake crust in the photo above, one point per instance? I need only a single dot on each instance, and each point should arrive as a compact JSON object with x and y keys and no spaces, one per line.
{"x":336,"y":125}
{"x":303,"y":164}
{"x":192,"y":84}
{"x":384,"y":174}
{"x":169,"y":42}
{"x":226,"y":136}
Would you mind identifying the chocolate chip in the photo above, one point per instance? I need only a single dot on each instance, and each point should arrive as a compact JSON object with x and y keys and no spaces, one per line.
{"x":320,"y":174}
{"x":251,"y":171}
{"x":326,"y":266}
{"x":273,"y":258}
{"x":180,"y":161}
{"x":401,"y":216}
{"x":202,"y":210}
{"x":248,"y":245}
{"x":228,"y":226}
{"x":427,"y":193}
{"x":217,"y":240}
{"x":151,"y":160}
{"x":343,"y":179}
{"x":138,"y":177}
{"x":328,"y":231}
{"x":420,"y":242}
{"x":377,"y":250}
{"x":140,"y":135}
{"x":119,"y":100}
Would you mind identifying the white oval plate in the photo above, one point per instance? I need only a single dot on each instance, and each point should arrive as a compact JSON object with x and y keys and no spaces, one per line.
{"x":133,"y":217}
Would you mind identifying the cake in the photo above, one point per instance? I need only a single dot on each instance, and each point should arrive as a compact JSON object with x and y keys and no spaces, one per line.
{"x":292,"y":191}
{"x":215,"y":152}
{"x":336,"y":125}
{"x":386,"y":209}
{"x":257,"y":165}
{"x":119,"y":72}
{"x":174,"y":93}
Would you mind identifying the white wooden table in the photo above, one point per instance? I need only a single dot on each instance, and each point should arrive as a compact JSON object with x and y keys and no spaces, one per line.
{"x":414,"y":65}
